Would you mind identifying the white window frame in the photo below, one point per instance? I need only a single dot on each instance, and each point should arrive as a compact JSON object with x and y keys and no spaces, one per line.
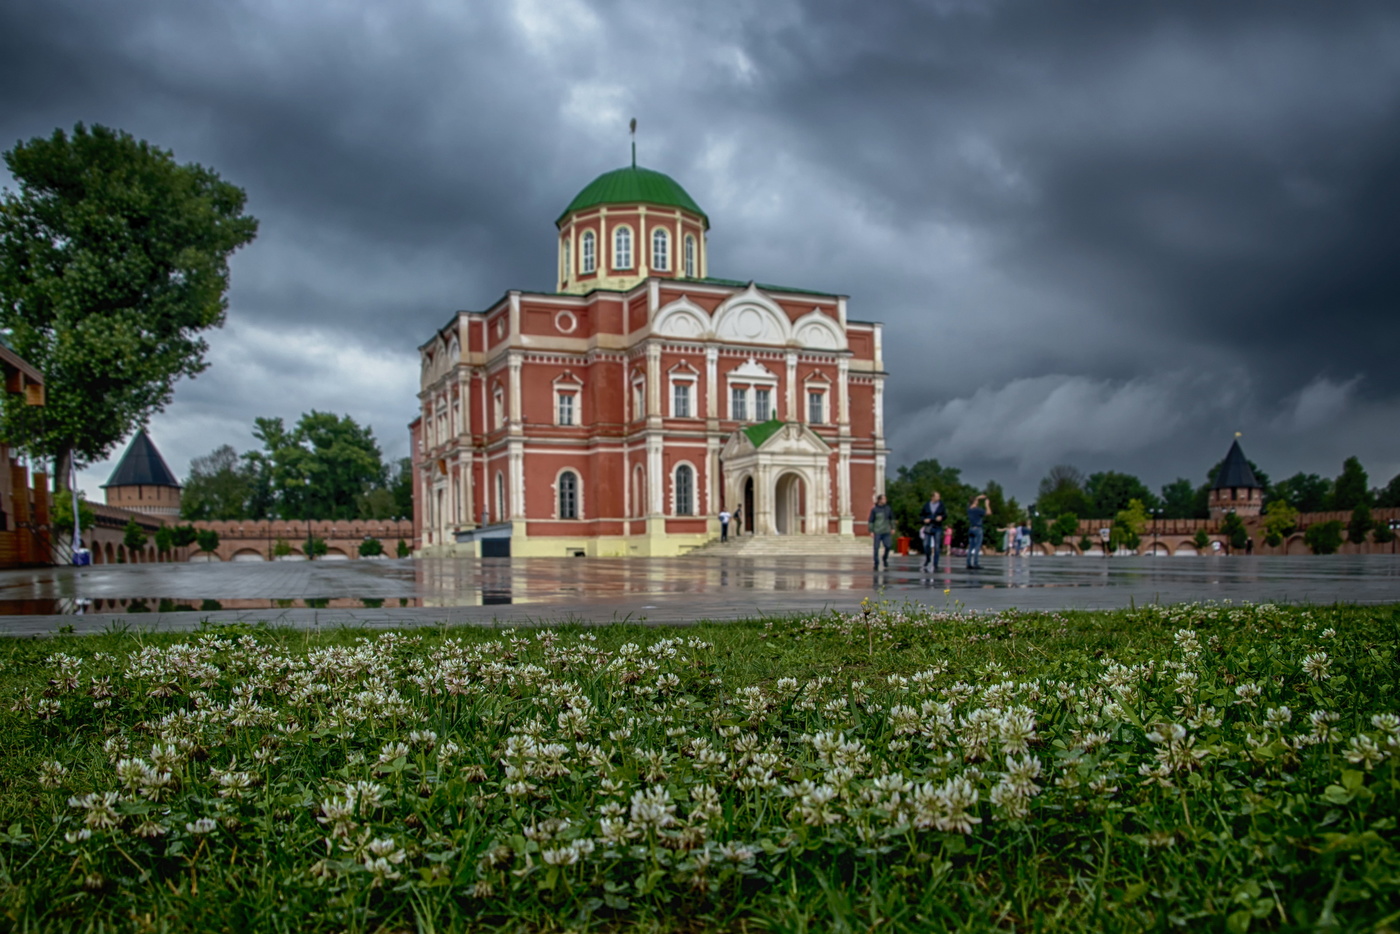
{"x":816,"y":405}
{"x":588,"y":252}
{"x":639,"y":399}
{"x":739,"y":403}
{"x":622,"y":251}
{"x":683,"y":387}
{"x":568,"y":259}
{"x":690,"y":256}
{"x":676,"y":489}
{"x":502,"y":505}
{"x":559,"y":494}
{"x":566,"y":408}
{"x":661,"y":249}
{"x":498,"y":405}
{"x":764,"y":412}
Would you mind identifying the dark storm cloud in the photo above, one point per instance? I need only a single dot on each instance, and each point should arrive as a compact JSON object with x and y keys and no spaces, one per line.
{"x":1111,"y":233}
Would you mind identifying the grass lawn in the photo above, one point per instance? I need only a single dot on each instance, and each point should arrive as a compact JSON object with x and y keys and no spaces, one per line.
{"x":1196,"y":767}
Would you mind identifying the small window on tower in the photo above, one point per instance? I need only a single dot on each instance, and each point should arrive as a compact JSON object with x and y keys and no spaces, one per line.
{"x":568,"y":270}
{"x":660,"y":250}
{"x":588,"y":251}
{"x":622,"y":248}
{"x":690,"y":257}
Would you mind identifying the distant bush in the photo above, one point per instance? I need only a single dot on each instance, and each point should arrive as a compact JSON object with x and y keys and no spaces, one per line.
{"x":1324,"y":538}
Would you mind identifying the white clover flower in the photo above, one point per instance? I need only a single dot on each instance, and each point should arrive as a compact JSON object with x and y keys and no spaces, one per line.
{"x":738,"y":853}
{"x":391,"y":751}
{"x":1363,"y":751}
{"x":1315,"y":666}
{"x":100,"y":807}
{"x":1248,"y":694}
{"x":1277,"y":717}
{"x":79,"y":835}
{"x":51,"y":773}
{"x":653,"y":808}
{"x":1329,"y":633}
{"x":560,"y":856}
{"x":202,"y":826}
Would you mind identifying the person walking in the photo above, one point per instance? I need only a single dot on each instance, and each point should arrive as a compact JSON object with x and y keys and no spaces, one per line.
{"x":739,"y":520}
{"x":881,"y":523}
{"x":934,"y":514}
{"x":724,"y":525}
{"x":977,"y":512}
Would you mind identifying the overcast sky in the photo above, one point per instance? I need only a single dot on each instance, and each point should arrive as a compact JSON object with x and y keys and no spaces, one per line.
{"x":1103,"y":233}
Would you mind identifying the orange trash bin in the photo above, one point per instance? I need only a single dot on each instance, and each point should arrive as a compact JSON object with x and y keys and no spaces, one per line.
{"x":902,"y":546}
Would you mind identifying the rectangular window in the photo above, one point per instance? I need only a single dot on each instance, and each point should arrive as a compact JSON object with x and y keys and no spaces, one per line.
{"x":762,"y":405}
{"x":690,"y":257}
{"x":589,"y":251}
{"x":566,"y":408}
{"x":638,"y":400}
{"x":814,"y":407}
{"x":738,"y":403}
{"x":680,"y":400}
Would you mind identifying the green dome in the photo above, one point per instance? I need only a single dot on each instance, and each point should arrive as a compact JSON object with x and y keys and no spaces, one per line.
{"x":631,"y":185}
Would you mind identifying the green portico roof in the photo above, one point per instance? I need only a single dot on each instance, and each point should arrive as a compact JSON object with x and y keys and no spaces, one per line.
{"x":763,"y":431}
{"x":632,"y":185}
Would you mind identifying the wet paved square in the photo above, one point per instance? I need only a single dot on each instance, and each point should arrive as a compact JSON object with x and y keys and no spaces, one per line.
{"x":659,"y":590}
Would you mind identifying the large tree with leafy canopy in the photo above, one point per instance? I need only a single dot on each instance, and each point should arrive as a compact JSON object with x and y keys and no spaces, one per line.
{"x":113,"y":262}
{"x":319,"y":469}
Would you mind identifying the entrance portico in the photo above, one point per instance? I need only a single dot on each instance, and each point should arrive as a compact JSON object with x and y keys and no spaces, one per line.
{"x":781,"y":473}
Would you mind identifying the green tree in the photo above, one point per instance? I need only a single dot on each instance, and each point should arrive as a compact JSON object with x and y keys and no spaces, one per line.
{"x":401,"y":484}
{"x":219,"y":486}
{"x":402,"y":549}
{"x":1360,"y":525}
{"x":61,"y":513}
{"x":1352,"y":487}
{"x":1324,"y":538}
{"x":320,"y":469}
{"x":281,"y":548}
{"x":1381,"y":532}
{"x":113,"y":261}
{"x":1305,"y":492}
{"x":1110,"y":492}
{"x":1388,"y":496}
{"x":165,"y":540}
{"x":1280,"y":518}
{"x":378,"y":503}
{"x":1201,"y":539}
{"x":314,"y":547}
{"x":1179,"y":500}
{"x":371,"y":547}
{"x":133,"y":536}
{"x":1065,"y":527}
{"x":1061,"y":491}
{"x":184,"y":535}
{"x":1129,"y":524}
{"x":1232,"y":527}
{"x":208,"y":540}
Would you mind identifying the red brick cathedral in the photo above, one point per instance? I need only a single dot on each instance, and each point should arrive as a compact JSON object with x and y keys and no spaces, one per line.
{"x":620,"y":413}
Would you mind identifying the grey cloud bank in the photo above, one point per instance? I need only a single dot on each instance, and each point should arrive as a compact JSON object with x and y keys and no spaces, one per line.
{"x":1110,"y":234}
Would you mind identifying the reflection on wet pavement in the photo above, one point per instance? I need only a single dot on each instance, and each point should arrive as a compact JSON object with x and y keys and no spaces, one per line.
{"x":658,"y":589}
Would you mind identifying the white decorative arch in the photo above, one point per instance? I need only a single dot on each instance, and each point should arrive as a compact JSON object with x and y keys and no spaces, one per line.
{"x":682,"y":319}
{"x":750,"y":317}
{"x":817,"y":331}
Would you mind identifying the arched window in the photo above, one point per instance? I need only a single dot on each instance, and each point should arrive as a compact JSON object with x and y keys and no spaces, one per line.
{"x":568,"y":271}
{"x":568,"y":495}
{"x":588,"y":251}
{"x":689,"y":257}
{"x":622,"y":248}
{"x":660,"y":250}
{"x":685,"y":490}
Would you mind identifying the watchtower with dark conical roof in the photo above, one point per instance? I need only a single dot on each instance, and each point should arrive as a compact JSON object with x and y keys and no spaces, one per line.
{"x":142,"y":482}
{"x":1236,"y":489}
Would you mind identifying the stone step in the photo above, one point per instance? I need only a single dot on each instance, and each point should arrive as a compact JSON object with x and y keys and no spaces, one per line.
{"x":778,"y":545}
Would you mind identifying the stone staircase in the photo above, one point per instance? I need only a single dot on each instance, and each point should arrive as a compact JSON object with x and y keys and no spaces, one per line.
{"x":762,"y":546}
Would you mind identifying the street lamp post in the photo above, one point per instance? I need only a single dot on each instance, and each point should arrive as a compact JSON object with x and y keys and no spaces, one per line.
{"x":306,"y":504}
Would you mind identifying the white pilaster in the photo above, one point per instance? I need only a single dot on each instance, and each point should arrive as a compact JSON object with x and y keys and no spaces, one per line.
{"x":791,"y":415}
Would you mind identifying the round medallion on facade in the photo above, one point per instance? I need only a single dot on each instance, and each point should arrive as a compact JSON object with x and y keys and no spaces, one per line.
{"x":565,"y":322}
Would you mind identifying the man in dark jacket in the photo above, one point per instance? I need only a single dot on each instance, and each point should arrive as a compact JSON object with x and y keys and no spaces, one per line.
{"x":881,"y":525}
{"x":934,"y":514}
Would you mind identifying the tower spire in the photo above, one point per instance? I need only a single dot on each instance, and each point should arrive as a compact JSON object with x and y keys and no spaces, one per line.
{"x":634,"y":142}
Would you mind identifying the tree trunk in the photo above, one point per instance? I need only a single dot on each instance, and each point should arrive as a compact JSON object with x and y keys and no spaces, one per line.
{"x":62,"y":466}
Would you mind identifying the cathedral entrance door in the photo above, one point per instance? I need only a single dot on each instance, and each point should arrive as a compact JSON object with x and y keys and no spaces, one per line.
{"x":789,"y":502}
{"x":748,"y":505}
